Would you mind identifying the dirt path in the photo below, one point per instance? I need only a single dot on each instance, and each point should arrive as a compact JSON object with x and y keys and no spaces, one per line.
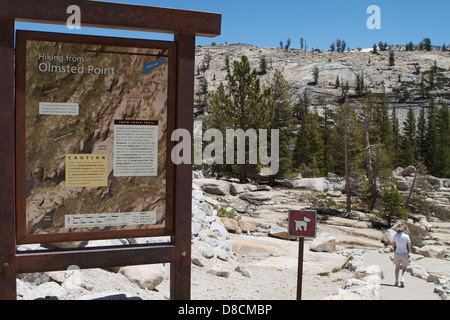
{"x":415,"y":288}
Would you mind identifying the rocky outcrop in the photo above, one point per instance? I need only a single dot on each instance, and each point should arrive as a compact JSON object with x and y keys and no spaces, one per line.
{"x":297,"y":66}
{"x":222,"y":246}
{"x":365,"y":283}
{"x":436,"y":191}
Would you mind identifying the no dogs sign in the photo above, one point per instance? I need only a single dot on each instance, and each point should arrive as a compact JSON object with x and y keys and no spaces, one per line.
{"x":302,"y":223}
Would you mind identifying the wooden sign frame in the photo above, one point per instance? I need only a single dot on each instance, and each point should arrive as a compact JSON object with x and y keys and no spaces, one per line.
{"x":185,"y":25}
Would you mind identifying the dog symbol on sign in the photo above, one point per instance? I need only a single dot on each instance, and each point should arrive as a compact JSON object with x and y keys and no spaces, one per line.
{"x":302,"y":225}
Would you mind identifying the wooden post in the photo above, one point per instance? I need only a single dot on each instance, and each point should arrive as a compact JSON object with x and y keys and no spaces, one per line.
{"x":7,"y":169}
{"x":301,"y":245}
{"x":180,"y":269}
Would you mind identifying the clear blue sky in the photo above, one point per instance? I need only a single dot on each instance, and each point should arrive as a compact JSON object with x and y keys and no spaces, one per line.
{"x":320,"y":22}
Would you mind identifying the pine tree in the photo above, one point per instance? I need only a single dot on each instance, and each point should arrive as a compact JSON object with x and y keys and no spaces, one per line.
{"x":315,"y":74}
{"x":288,"y":44}
{"x":391,"y":58}
{"x":345,"y":87}
{"x":426,"y":44}
{"x":409,"y":47}
{"x":262,"y":65}
{"x":241,"y":104}
{"x":378,"y":144}
{"x":227,"y":62}
{"x":395,"y":157}
{"x":309,"y":147}
{"x":431,"y":139}
{"x":384,"y":124}
{"x":301,"y":107}
{"x":420,"y":137}
{"x":423,"y":91}
{"x":391,"y":203}
{"x":374,"y":49}
{"x":360,"y":87}
{"x":443,"y":147}
{"x":283,"y":121}
{"x":202,"y":93}
{"x":327,"y":125}
{"x":205,"y":63}
{"x":408,"y":140}
{"x":332,"y":47}
{"x":346,"y":142}
{"x":371,"y":138}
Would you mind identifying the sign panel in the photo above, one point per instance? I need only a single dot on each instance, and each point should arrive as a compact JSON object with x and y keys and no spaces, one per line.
{"x":94,"y":119}
{"x":302,"y":223}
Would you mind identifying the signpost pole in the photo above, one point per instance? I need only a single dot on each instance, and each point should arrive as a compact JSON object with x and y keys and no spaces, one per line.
{"x":181,"y":269}
{"x":301,"y":224}
{"x":7,"y":169}
{"x":301,"y":245}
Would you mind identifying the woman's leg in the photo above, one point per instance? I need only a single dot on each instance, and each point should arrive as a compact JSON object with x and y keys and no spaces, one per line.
{"x":402,"y":282}
{"x":397,"y":271}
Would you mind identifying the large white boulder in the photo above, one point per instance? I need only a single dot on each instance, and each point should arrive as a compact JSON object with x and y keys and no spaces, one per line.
{"x":314,"y":184}
{"x":323,"y":243}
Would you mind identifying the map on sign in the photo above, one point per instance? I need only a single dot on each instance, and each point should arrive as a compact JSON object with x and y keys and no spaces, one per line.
{"x":95,"y":137}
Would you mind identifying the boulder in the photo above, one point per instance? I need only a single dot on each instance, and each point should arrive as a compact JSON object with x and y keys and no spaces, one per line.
{"x":409,"y":170}
{"x":198,"y":174}
{"x":219,"y":270}
{"x":314,"y":184}
{"x":257,"y":196}
{"x":446,"y":183}
{"x":204,"y":249}
{"x":435,"y":182}
{"x":219,"y":229}
{"x":278,"y":232}
{"x":404,"y":185}
{"x":213,"y":186}
{"x":198,"y":214}
{"x":354,"y":264}
{"x":197,"y":194}
{"x":48,"y":291}
{"x":432,"y":251}
{"x":323,"y":243}
{"x":334,"y":194}
{"x":232,"y":225}
{"x":247,"y":226}
{"x":397,"y":171}
{"x":198,"y":259}
{"x":374,"y":270}
{"x":145,"y":276}
{"x":236,"y":188}
{"x":388,"y":235}
{"x":256,"y":247}
{"x":418,"y":271}
{"x":243,"y":271}
{"x":424,"y":224}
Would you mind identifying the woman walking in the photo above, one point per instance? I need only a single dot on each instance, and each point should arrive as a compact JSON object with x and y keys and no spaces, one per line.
{"x":401,"y":244}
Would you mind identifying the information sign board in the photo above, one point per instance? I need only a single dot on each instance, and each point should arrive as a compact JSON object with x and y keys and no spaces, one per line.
{"x":94,"y":119}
